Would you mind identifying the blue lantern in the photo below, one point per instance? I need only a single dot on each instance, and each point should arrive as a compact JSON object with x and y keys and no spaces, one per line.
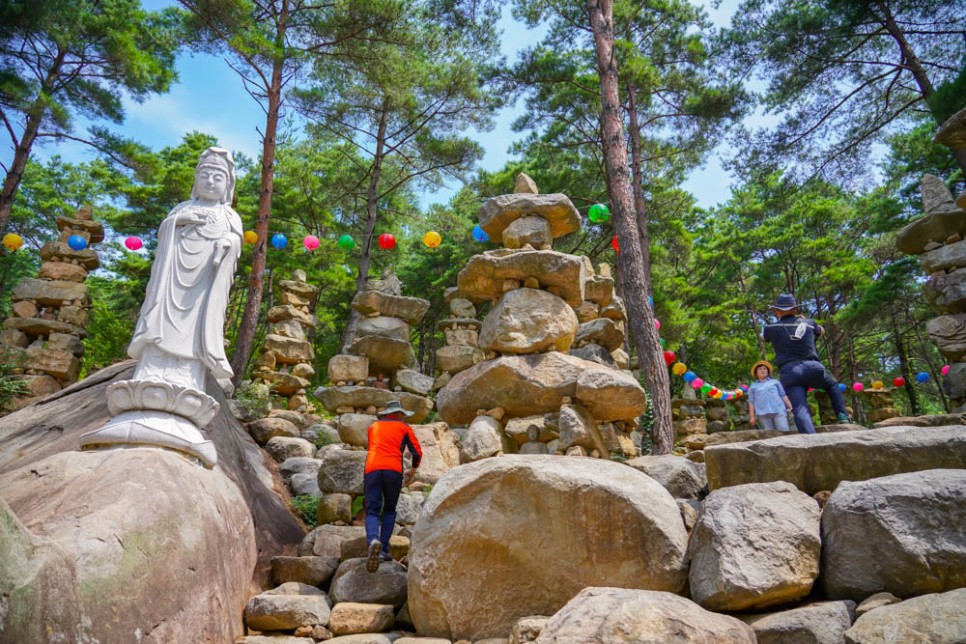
{"x":650,"y":301}
{"x":279,"y":240}
{"x":841,"y":387}
{"x":480,"y":235}
{"x":77,"y":242}
{"x":922,"y":376}
{"x":689,"y":376}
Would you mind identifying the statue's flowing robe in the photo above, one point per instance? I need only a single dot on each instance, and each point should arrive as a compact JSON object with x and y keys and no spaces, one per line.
{"x":183,"y":313}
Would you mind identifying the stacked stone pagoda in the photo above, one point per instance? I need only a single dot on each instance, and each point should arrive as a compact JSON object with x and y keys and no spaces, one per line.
{"x":43,"y":338}
{"x":286,"y":360}
{"x":939,"y":239}
{"x":537,"y":391}
{"x":462,"y":333}
{"x":378,"y":366}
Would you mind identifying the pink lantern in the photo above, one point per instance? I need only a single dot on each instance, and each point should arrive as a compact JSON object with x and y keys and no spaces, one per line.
{"x":657,"y":324}
{"x":311,"y":242}
{"x":697,"y":383}
{"x":858,"y":386}
{"x":944,"y":370}
{"x":133,"y":243}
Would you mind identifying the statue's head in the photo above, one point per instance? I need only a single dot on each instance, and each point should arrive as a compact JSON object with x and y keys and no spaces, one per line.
{"x":215,"y":176}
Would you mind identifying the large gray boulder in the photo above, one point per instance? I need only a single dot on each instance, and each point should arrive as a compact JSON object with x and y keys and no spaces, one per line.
{"x":353,"y":583}
{"x":820,"y":462}
{"x":754,"y":546}
{"x":936,"y":619}
{"x":342,"y":471}
{"x":483,"y":277}
{"x":521,"y":535}
{"x":819,"y":623}
{"x":441,"y":451}
{"x":682,"y":478}
{"x":616,"y":615}
{"x":100,"y":546}
{"x":903,"y":534}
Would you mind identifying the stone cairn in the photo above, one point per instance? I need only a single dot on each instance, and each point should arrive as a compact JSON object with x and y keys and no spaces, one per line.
{"x":462,"y":332}
{"x":939,"y":239}
{"x":378,"y":365}
{"x":44,"y":336}
{"x":285,"y":363}
{"x":551,"y":380}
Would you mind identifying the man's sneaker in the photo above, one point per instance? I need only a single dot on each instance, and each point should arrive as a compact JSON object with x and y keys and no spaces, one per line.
{"x":844,"y":419}
{"x":375,"y":555}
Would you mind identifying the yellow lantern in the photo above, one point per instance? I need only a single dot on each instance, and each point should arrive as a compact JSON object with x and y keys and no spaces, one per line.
{"x":250,"y":237}
{"x":432,"y":239}
{"x":877,"y":384}
{"x":12,"y":241}
{"x":679,"y":368}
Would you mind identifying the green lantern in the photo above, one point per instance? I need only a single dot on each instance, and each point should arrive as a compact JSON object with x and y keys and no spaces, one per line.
{"x":705,"y":388}
{"x":346,"y":242}
{"x":663,"y":343}
{"x":598,"y":213}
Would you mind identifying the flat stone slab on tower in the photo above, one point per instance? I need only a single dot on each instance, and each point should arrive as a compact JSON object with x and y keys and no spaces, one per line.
{"x":409,"y":309}
{"x":815,"y":462}
{"x":335,"y":397}
{"x":385,"y":354}
{"x":501,"y":211}
{"x":934,"y":227}
{"x":482,"y":278}
{"x":537,"y":384}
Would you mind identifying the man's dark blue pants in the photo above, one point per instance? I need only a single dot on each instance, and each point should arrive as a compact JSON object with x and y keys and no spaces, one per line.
{"x":382,"y":489}
{"x":796,"y":378}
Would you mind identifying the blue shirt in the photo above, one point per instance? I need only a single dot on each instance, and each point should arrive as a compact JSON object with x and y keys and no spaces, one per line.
{"x":766,"y":395}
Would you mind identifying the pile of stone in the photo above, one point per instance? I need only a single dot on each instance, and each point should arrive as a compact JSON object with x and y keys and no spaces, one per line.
{"x":537,"y":391}
{"x":939,"y":239}
{"x":378,"y":366}
{"x":462,"y":333}
{"x":286,"y":359}
{"x":43,"y":338}
{"x":852,"y":536}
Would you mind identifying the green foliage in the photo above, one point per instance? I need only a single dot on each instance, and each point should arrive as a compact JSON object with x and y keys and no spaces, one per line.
{"x":843,"y":74}
{"x":10,"y":385}
{"x":254,"y":397}
{"x":357,"y":505}
{"x":306,"y":505}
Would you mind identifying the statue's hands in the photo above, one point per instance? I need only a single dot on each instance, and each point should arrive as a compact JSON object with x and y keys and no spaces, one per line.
{"x":189,"y":218}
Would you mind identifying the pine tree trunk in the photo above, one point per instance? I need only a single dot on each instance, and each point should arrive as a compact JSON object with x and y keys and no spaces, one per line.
{"x":246,"y":333}
{"x":633,"y":261}
{"x":372,"y":217}
{"x":21,"y":154}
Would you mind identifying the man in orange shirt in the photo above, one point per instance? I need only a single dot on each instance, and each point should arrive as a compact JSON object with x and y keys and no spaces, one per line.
{"x":388,"y":437}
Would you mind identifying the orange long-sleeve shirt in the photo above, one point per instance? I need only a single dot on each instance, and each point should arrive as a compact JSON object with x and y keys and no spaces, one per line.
{"x":387,"y":440}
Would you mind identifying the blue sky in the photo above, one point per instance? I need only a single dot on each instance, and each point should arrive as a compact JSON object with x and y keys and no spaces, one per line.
{"x":209,"y":98}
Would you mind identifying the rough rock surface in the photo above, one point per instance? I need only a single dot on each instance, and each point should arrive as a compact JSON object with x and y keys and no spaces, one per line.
{"x":904,"y":534}
{"x":100,"y":546}
{"x":936,"y":619}
{"x":617,"y":615}
{"x":682,"y":478}
{"x":528,"y":320}
{"x":490,"y":542}
{"x":820,"y":623}
{"x":500,"y":211}
{"x":441,"y":451}
{"x":362,"y":397}
{"x":408,"y":309}
{"x":482,"y":440}
{"x":353,"y":583}
{"x":483,"y":276}
{"x":754,"y":546}
{"x":54,"y":425}
{"x":537,"y":384}
{"x":820,"y":462}
{"x":342,"y":471}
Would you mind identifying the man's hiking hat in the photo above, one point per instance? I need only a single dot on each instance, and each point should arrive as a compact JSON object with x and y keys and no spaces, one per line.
{"x":394,"y":408}
{"x":785,"y":302}
{"x":760,"y":363}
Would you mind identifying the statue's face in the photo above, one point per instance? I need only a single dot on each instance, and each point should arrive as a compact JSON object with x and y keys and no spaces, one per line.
{"x":212,"y":184}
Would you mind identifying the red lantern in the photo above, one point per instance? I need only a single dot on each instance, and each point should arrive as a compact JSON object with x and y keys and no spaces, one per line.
{"x":899,"y":382}
{"x":669,"y":358}
{"x":387,"y":241}
{"x":616,"y":246}
{"x":713,"y":392}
